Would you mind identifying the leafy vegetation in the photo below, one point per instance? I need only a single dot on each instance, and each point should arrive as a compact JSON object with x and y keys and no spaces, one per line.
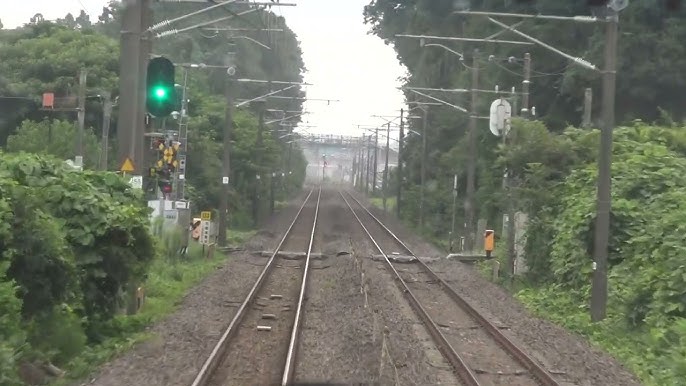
{"x":555,"y":164}
{"x":72,"y":242}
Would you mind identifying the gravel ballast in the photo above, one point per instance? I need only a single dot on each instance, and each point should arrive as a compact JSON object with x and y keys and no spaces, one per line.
{"x":572,"y":359}
{"x":182,"y":341}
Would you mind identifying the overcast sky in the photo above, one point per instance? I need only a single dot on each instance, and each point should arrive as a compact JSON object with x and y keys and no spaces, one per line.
{"x":343,"y":61}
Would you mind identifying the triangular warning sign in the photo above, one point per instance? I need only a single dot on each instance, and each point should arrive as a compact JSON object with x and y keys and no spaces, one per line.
{"x":127,"y":166}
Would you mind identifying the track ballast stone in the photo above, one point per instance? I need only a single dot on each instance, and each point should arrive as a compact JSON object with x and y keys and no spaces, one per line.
{"x":338,"y":344}
{"x":182,"y":341}
{"x":572,"y":359}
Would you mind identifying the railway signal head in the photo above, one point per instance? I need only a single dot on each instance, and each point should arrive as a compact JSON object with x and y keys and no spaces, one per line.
{"x":161,"y":95}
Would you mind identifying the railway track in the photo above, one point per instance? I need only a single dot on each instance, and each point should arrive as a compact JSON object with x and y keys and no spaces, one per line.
{"x":259,"y":345}
{"x":478,"y":351}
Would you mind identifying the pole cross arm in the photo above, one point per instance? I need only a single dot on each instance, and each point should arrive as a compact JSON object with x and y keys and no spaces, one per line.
{"x":584,"y":63}
{"x":441,"y":101}
{"x":580,"y":19}
{"x":283,"y":119}
{"x":451,"y":38}
{"x":264,"y":96}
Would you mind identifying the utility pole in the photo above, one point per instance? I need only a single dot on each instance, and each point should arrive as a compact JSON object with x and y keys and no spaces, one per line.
{"x":401,"y":136}
{"x":106,"y":119}
{"x":452,"y":222}
{"x":525,"y":85}
{"x":140,"y":162}
{"x":369,"y":151}
{"x":271,"y":194}
{"x":258,"y":162}
{"x":360,"y":163}
{"x":83,"y":74}
{"x":602,"y":229}
{"x":471,"y":165}
{"x":588,"y":107}
{"x":226,"y":163}
{"x":127,"y":123}
{"x":423,"y":166}
{"x":385,"y":170}
{"x":376,"y":162}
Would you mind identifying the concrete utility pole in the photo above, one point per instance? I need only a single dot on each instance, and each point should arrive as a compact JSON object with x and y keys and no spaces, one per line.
{"x":226,"y":164}
{"x":83,"y":74}
{"x":369,"y":158}
{"x":360,"y":164}
{"x":127,"y":124}
{"x":525,"y":86}
{"x":140,"y":152}
{"x":452,"y":222}
{"x":471,"y":164}
{"x":260,"y":106}
{"x":385,"y":170}
{"x":602,"y":229}
{"x":588,"y":107}
{"x":425,"y":129}
{"x":106,"y":120}
{"x":401,"y":136}
{"x":376,"y":162}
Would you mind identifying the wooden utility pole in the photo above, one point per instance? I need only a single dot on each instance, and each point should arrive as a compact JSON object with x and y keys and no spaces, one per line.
{"x":226,"y":164}
{"x":469,"y":205}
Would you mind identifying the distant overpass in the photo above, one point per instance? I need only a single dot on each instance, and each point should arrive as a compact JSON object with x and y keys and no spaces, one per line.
{"x":332,"y":156}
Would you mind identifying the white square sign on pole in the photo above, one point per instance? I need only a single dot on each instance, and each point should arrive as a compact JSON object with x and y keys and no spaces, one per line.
{"x":136,"y":182}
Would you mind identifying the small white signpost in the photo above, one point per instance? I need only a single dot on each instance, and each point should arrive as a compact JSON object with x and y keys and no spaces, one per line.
{"x":136,"y":182}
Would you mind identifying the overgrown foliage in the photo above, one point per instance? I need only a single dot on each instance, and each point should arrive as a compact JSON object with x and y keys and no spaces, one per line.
{"x":47,"y":56}
{"x":70,"y":243}
{"x":555,"y":165}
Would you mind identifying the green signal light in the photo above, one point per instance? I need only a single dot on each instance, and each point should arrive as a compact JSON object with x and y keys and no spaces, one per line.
{"x":160,"y":93}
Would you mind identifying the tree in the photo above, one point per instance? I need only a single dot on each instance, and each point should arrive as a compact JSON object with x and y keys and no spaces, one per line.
{"x":57,"y":138}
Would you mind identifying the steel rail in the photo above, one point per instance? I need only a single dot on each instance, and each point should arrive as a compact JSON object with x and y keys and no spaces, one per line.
{"x":466,"y":375}
{"x":289,"y":370}
{"x":536,"y":370}
{"x":217,"y":354}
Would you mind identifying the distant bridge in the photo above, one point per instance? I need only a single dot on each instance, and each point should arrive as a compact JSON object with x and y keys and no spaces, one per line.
{"x":332,"y":156}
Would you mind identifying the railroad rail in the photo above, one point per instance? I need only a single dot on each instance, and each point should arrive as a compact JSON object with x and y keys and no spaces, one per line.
{"x":245,"y":336}
{"x":463,"y":364}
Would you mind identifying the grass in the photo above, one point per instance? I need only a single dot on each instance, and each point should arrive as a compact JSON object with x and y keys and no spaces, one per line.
{"x":168,"y":282}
